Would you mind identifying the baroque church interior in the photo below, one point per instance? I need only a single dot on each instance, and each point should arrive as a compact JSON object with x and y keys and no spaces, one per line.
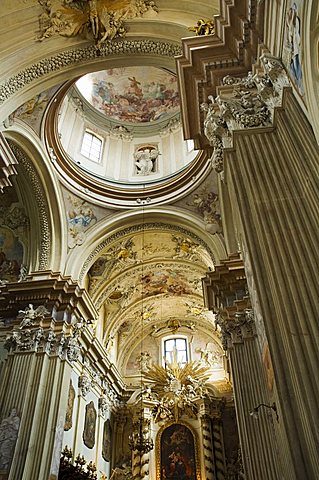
{"x":159,"y":239}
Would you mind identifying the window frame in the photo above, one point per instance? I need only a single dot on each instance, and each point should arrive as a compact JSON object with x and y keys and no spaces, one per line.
{"x":175,"y":337}
{"x":94,"y":136}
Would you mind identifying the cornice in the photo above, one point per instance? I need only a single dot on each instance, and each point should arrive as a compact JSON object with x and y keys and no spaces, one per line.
{"x":78,"y":56}
{"x":207,"y":59}
{"x":60,"y":294}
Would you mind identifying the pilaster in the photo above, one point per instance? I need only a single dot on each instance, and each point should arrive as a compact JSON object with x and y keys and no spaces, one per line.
{"x":226,"y":293}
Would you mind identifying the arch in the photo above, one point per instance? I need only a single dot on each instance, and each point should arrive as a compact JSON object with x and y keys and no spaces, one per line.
{"x":40,"y":193}
{"x":98,"y":237}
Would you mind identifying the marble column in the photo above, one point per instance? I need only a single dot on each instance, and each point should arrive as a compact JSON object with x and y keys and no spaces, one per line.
{"x":218,"y":448}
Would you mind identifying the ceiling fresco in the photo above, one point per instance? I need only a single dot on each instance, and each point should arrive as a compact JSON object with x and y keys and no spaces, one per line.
{"x":150,"y":274}
{"x":143,"y":247}
{"x":132,"y":94}
{"x":147,"y":284}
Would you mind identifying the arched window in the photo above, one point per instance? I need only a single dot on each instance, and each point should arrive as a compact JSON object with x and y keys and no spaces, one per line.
{"x":176,"y":346}
{"x":91,"y":146}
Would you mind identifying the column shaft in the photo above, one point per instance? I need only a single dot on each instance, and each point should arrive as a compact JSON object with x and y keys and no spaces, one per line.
{"x":273,"y":180}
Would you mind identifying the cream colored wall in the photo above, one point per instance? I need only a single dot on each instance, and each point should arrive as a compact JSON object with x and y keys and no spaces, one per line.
{"x":117,"y":160}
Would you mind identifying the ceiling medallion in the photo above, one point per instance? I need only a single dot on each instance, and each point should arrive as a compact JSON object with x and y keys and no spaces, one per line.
{"x":101,"y":19}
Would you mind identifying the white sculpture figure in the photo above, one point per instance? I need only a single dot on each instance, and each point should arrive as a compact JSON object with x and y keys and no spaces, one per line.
{"x":145,"y":160}
{"x":9,"y":428}
{"x":30,"y":315}
{"x":23,"y":273}
{"x":143,"y":361}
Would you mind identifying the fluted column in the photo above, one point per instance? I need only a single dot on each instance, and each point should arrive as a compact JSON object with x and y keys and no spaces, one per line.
{"x":34,"y":383}
{"x":257,"y":438}
{"x":272,"y":179}
{"x":271,"y":173}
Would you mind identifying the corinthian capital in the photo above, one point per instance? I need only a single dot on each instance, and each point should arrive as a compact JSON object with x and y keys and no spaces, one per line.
{"x":237,"y":328}
{"x":243,"y":103}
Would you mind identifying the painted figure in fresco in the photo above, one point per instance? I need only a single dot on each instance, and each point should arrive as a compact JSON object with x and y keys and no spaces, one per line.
{"x":294,"y":44}
{"x":134,"y":87}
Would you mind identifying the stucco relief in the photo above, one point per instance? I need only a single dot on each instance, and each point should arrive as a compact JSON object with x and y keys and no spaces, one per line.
{"x":101,"y":20}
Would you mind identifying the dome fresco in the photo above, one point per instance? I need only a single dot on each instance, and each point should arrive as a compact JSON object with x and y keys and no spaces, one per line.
{"x":132,"y":94}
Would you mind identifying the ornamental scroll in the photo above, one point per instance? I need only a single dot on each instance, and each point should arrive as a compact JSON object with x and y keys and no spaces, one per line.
{"x":243,"y":103}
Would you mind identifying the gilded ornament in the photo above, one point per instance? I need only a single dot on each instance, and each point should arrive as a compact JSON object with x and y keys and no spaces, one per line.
{"x":203,"y":27}
{"x":102,"y":20}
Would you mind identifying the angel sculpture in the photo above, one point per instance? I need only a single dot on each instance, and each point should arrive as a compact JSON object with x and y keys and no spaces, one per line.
{"x":102,"y":19}
{"x":30,"y":315}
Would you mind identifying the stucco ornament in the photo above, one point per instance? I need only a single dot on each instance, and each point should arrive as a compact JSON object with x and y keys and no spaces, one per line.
{"x":101,"y":19}
{"x":145,"y":160}
{"x":177,"y":388}
{"x":242,"y":103}
{"x":30,"y":315}
{"x":234,"y":330}
{"x":84,"y":385}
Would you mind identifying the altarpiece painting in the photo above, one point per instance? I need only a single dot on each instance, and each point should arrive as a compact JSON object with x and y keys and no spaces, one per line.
{"x":177,"y":456}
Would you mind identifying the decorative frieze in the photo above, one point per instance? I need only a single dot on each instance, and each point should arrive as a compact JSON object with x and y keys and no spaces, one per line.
{"x":68,"y":58}
{"x":242,"y":103}
{"x":37,"y":332}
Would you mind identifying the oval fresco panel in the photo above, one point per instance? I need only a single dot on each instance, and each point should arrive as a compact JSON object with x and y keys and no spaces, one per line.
{"x":132,"y":94}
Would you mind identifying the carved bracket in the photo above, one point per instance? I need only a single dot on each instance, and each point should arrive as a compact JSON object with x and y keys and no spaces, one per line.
{"x":243,"y":103}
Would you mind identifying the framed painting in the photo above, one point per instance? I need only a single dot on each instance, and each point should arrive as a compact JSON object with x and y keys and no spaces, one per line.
{"x":177,"y":453}
{"x":69,"y":410}
{"x":89,"y":425}
{"x":107,"y":441}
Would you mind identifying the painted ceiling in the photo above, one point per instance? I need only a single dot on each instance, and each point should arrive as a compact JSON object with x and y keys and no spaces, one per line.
{"x":148,"y":265}
{"x":147,"y":284}
{"x":132,"y":94}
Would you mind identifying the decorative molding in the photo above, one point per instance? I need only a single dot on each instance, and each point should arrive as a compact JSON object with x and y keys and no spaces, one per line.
{"x":102,"y":21}
{"x":243,"y":103}
{"x":7,"y":163}
{"x":33,"y":335}
{"x":236,"y":329}
{"x":42,"y":206}
{"x":84,"y":385}
{"x":77,"y":56}
{"x":139,"y":228}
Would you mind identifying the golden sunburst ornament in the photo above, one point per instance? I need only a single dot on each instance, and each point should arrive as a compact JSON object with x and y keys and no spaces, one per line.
{"x":177,"y":388}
